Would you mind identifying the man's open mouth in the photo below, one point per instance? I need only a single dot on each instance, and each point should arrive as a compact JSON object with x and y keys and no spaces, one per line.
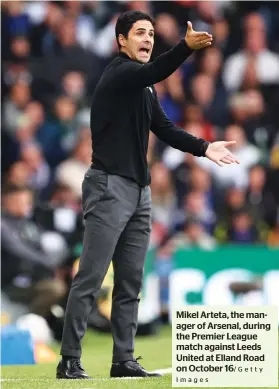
{"x":144,"y":50}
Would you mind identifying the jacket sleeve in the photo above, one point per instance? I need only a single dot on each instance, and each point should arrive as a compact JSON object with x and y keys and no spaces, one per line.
{"x":173,"y":135}
{"x":130,"y":74}
{"x":14,"y":246}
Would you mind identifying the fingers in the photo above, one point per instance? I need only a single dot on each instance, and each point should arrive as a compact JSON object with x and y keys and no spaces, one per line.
{"x":204,"y":35}
{"x":201,"y":42}
{"x":190,"y":27}
{"x":197,"y":40}
{"x":219,"y":163}
{"x":205,"y":43}
{"x":233,"y":159}
{"x":230,"y":143}
{"x":201,"y":45}
{"x":197,"y":33}
{"x":226,"y":160}
{"x":229,"y":159}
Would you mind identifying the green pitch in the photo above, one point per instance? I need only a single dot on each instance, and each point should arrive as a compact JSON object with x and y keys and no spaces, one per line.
{"x":156,"y":353}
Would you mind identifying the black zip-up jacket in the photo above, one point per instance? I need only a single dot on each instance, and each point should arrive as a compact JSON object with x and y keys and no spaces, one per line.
{"x":125,"y":108}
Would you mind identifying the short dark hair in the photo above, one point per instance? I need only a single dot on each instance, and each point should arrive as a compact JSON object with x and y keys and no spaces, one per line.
{"x":126,"y":20}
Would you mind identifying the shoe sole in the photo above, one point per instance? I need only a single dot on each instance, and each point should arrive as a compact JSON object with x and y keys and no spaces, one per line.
{"x":60,"y":377}
{"x":135,"y":376}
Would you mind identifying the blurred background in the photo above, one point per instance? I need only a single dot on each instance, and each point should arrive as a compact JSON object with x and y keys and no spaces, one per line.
{"x":215,"y":236}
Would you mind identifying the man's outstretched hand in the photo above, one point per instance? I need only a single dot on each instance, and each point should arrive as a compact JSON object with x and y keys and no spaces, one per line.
{"x":197,"y":40}
{"x":218,"y":153}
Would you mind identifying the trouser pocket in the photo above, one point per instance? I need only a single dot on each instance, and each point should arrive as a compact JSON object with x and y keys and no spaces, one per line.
{"x":94,"y":187}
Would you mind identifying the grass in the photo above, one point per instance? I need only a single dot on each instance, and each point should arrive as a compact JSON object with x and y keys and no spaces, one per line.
{"x":96,"y":359}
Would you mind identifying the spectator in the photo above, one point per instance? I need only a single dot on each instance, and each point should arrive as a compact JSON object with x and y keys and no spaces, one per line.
{"x":234,"y":200}
{"x":27,"y":268}
{"x":69,"y":55}
{"x":26,"y":131}
{"x":192,"y":236}
{"x":181,"y":177}
{"x":203,"y":90}
{"x":212,"y":101}
{"x":39,"y":170}
{"x":163,"y":196}
{"x":194,"y":115}
{"x":17,"y":67}
{"x":171,"y":95}
{"x":201,"y":181}
{"x":206,"y":14}
{"x":58,"y":134}
{"x":167,"y":33}
{"x":221,"y":30}
{"x":15,"y":105}
{"x":73,"y":86}
{"x":249,"y":110}
{"x":196,"y":206}
{"x":258,"y":126}
{"x":18,"y":22}
{"x":18,"y":174}
{"x":71,"y":172}
{"x":255,"y":46}
{"x":35,"y":112}
{"x":99,"y":40}
{"x":243,"y":230}
{"x":62,"y":214}
{"x":261,"y":200}
{"x":43,"y":34}
{"x":211,"y":63}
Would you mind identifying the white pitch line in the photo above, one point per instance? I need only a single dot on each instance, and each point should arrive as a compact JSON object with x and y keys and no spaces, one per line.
{"x":161,"y":371}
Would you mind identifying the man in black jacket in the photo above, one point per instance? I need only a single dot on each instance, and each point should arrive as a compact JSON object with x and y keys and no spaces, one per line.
{"x":116,"y":192}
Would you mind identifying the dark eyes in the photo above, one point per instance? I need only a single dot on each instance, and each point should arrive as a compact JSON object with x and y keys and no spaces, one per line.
{"x":142,"y":33}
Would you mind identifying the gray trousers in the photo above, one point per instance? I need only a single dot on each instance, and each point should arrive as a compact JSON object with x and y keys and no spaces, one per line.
{"x":117,"y":215}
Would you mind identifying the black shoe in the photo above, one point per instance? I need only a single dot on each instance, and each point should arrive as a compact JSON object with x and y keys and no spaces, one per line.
{"x":130,"y":369}
{"x":71,"y":369}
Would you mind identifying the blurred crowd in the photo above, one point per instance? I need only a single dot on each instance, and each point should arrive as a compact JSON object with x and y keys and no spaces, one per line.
{"x":53,"y":53}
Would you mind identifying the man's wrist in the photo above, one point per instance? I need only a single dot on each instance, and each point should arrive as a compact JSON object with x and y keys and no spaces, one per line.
{"x":204,"y":147}
{"x":185,"y":46}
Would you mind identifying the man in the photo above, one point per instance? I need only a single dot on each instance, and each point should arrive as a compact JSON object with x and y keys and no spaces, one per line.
{"x":28,"y":267}
{"x":116,"y":192}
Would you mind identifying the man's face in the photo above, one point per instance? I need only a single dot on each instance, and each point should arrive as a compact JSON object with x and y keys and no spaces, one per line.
{"x":19,"y":204}
{"x":139,"y":44}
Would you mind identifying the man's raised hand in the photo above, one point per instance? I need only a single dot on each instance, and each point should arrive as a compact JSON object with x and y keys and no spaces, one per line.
{"x":197,"y":40}
{"x":218,"y":153}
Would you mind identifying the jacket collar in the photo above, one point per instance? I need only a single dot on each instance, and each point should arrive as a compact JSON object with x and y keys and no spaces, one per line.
{"x":123,"y":55}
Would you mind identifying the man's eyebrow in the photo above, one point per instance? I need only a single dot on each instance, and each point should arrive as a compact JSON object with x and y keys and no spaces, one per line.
{"x":143,"y":29}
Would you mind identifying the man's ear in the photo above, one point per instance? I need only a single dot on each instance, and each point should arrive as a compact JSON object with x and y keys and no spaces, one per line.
{"x":122,"y":40}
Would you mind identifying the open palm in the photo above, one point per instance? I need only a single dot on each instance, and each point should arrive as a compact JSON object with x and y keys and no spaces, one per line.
{"x":197,"y":40}
{"x":218,"y":153}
